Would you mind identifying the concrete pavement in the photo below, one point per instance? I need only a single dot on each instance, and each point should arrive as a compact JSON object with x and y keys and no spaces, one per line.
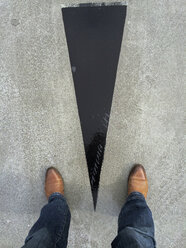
{"x":39,"y":122}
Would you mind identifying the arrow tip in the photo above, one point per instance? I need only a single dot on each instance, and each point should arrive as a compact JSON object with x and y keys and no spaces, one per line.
{"x":95,"y":197}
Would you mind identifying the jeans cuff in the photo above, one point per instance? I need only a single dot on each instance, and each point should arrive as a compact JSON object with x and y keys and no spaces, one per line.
{"x":135,"y":195}
{"x":56,"y":195}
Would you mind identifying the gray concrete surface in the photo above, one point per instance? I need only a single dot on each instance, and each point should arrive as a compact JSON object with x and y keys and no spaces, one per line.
{"x":39,"y":123}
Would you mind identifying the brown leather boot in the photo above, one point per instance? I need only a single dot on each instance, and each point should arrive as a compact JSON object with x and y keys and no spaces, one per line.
{"x":53,"y":182}
{"x":137,"y":180}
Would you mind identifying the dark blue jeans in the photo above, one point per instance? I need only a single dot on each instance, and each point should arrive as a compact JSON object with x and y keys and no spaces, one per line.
{"x":135,"y":225}
{"x":51,"y":229}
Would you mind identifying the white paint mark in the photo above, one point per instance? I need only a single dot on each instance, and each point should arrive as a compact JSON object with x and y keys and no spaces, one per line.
{"x":123,"y":3}
{"x":73,"y":69}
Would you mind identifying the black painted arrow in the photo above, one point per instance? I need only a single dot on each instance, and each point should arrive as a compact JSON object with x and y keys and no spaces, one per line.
{"x":94,"y":34}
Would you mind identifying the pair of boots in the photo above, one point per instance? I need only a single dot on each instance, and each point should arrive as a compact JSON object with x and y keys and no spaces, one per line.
{"x":137,"y":181}
{"x":135,"y":222}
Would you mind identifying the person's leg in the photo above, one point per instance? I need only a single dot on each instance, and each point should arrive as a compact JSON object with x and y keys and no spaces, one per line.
{"x":135,"y":223}
{"x":51,"y":229}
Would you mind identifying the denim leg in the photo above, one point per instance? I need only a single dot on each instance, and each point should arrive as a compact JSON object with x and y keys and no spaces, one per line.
{"x":51,"y":229}
{"x":135,"y":224}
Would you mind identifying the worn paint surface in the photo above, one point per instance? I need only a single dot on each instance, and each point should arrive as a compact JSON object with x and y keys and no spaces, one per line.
{"x":94,"y":34}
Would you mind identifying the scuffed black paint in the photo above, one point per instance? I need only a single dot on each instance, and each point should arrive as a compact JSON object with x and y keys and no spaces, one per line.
{"x":94,"y":35}
{"x":94,"y":155}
